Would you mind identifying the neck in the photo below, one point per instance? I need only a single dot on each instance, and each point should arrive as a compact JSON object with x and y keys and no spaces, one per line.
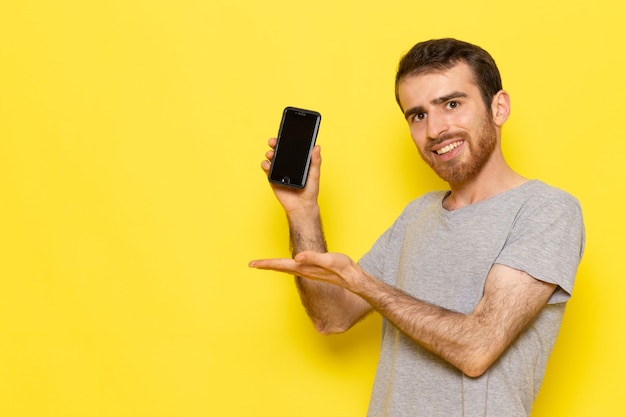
{"x":494,"y":178}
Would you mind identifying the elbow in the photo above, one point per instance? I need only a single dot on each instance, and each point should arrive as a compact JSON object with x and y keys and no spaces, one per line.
{"x":476,"y":357}
{"x":326,"y":328}
{"x":474,"y":371}
{"x":476,"y":365}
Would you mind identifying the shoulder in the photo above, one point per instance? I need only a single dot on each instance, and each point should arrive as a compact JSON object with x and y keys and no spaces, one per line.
{"x":544,"y":197}
{"x":541,"y":190}
{"x":547,"y":236}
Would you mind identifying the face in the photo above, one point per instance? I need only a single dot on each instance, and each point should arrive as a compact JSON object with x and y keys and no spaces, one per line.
{"x":453,"y":131}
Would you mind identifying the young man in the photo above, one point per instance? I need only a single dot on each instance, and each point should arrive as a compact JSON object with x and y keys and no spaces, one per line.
{"x":471,"y":282}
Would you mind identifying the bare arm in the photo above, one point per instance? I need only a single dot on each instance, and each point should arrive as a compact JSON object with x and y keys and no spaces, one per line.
{"x":471,"y":342}
{"x":474,"y":341}
{"x":331,"y":308}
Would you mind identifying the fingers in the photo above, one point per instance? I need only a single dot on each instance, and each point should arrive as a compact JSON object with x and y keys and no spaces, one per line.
{"x":269,"y":155}
{"x":267,"y":163}
{"x":277,"y":264}
{"x":317,"y":153}
{"x":303,"y":259}
{"x":289,"y":266}
{"x":307,"y":257}
{"x":316,"y":162}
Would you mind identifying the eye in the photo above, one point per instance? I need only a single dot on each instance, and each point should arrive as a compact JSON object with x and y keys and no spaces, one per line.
{"x":452,"y":105}
{"x":417,"y":117}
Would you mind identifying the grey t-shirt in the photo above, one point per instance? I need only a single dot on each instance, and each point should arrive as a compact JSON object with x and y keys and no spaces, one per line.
{"x":443,"y":257}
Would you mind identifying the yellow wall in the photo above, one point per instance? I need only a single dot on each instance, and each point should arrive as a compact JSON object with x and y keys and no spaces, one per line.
{"x":131,"y":197}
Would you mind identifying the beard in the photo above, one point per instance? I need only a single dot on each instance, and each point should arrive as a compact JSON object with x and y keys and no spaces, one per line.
{"x":480,"y":149}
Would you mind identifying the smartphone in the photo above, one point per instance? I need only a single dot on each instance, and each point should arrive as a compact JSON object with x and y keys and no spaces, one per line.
{"x":296,"y":139}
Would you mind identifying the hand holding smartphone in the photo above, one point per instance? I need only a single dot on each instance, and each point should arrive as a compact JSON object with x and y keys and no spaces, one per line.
{"x":295,"y":142}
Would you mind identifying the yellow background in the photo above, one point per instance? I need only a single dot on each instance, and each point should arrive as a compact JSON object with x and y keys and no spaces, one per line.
{"x":131,"y":198}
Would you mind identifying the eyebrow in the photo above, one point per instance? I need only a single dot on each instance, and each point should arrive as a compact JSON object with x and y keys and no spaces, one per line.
{"x":438,"y":100}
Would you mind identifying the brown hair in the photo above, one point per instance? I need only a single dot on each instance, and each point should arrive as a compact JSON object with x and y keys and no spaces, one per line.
{"x":442,"y":54}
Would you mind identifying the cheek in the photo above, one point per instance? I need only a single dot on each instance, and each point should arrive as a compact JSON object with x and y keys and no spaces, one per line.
{"x":417,"y":134}
{"x":468,"y":119}
{"x":474,"y":118}
{"x":420,"y":145}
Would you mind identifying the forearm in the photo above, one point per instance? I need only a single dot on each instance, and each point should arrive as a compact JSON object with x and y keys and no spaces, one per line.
{"x":330,"y":307}
{"x":459,"y":339}
{"x":306,"y":231}
{"x":471,"y":342}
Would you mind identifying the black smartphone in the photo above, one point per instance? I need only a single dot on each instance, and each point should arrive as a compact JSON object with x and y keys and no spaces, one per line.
{"x":296,"y":139}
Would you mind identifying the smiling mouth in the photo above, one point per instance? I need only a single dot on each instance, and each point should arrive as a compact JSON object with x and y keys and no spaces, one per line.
{"x":448,"y":148}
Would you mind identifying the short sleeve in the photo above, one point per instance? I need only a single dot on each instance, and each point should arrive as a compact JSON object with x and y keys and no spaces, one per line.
{"x":547,"y":242}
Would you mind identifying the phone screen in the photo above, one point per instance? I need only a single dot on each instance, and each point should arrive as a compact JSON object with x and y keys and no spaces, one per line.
{"x":296,"y":138}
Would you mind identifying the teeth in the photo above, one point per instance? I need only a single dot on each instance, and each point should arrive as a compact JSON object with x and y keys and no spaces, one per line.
{"x":448,"y":148}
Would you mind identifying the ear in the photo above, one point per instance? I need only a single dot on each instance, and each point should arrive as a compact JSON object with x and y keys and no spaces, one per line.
{"x":501,"y":107}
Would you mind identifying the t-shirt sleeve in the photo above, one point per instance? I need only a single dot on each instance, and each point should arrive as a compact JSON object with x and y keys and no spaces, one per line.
{"x":547,"y":242}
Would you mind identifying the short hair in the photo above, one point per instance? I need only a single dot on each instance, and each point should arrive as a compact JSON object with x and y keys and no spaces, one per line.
{"x":441,"y":54}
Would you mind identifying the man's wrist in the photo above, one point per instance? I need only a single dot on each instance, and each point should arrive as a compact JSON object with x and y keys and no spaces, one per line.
{"x":303,"y":213}
{"x":306,"y":233}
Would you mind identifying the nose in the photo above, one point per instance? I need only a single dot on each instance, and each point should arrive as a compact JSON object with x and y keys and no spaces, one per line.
{"x":436,"y":125}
